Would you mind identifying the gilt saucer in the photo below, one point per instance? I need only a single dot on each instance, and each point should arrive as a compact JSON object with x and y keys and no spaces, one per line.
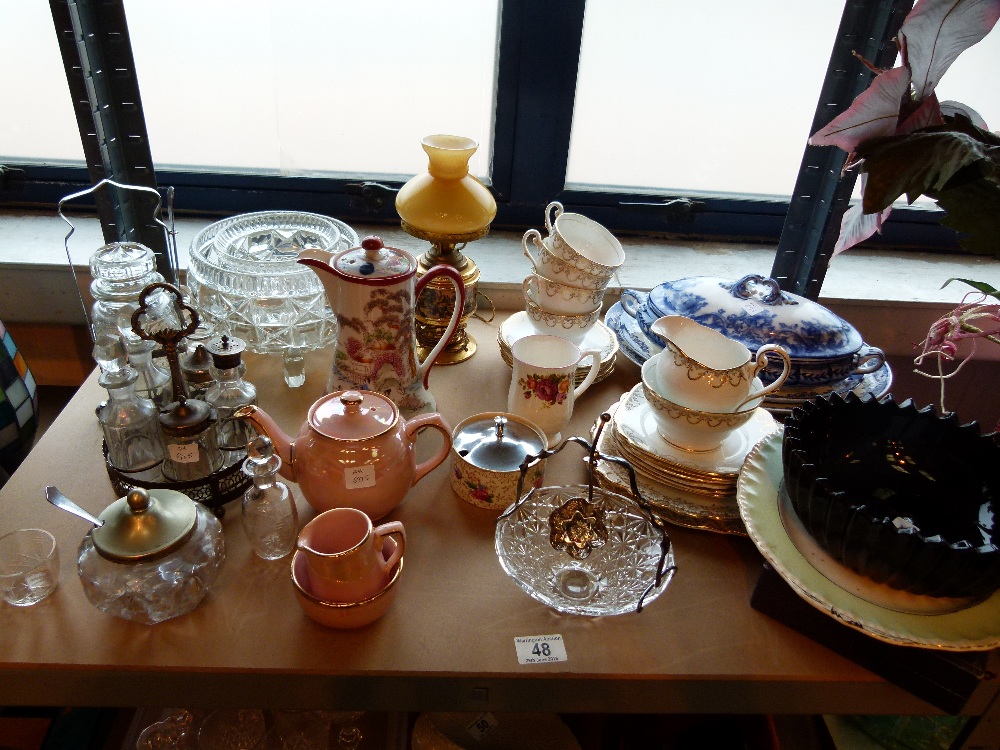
{"x":634,"y":423}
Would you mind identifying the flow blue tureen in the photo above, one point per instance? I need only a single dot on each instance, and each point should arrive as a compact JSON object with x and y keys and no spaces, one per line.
{"x":823,"y":347}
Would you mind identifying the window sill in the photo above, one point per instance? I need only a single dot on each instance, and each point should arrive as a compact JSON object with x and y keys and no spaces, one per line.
{"x":890,"y":297}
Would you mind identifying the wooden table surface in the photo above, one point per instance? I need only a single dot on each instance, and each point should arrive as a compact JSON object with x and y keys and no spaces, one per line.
{"x":448,"y":641}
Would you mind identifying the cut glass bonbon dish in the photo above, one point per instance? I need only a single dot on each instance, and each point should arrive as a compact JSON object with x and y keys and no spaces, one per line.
{"x":584,"y":550}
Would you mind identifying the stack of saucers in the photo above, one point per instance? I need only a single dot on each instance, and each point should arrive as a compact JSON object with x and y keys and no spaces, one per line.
{"x":564,"y":295}
{"x":687,"y":460}
{"x":599,"y":337}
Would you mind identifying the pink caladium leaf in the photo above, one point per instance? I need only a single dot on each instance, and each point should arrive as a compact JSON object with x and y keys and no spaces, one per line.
{"x":936,"y":32}
{"x":928,"y":113}
{"x":857,"y":226}
{"x":874,"y":112}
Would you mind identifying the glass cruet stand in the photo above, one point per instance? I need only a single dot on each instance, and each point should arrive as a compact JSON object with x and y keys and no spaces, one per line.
{"x":270,"y":519}
{"x":130,"y":423}
{"x":229,"y":392}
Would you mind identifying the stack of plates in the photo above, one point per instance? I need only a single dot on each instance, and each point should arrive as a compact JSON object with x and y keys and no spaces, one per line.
{"x":638,"y":347}
{"x":599,"y":337}
{"x":696,"y":489}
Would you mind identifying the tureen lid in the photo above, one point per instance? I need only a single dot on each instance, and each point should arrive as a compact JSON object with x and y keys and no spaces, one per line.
{"x":495,"y":441}
{"x":144,"y":524}
{"x":755,"y":311}
{"x":353,"y":415}
{"x":373,"y":260}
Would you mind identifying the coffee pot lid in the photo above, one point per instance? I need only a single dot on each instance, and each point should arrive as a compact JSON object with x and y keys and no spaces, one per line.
{"x":145,"y":524}
{"x":353,"y":415}
{"x":374,"y":260}
{"x":498,"y":442}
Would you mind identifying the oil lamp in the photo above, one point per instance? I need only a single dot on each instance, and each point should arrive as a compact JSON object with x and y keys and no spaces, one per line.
{"x":449,"y":208}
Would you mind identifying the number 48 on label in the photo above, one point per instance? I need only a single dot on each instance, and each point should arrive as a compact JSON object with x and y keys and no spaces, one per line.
{"x":540,"y":649}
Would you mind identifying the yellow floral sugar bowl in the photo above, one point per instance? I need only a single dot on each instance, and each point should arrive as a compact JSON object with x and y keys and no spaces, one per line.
{"x":486,"y":455}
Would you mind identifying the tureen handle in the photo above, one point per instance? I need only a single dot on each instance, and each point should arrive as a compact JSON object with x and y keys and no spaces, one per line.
{"x":750,"y":287}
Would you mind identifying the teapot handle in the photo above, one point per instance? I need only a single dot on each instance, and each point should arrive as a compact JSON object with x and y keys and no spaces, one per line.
{"x":414,"y":426}
{"x":423,"y":368}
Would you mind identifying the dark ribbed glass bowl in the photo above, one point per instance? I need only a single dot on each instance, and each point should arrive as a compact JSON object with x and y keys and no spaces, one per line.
{"x":897,"y":494}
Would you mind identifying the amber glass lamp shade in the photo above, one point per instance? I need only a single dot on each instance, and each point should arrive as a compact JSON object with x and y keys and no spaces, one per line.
{"x":448,"y":207}
{"x":446,"y":201}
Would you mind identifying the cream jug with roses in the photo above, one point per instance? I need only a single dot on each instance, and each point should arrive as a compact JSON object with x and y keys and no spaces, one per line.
{"x":543,"y":388}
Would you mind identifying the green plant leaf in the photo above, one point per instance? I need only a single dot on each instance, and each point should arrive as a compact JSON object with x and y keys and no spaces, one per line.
{"x":914,"y":164}
{"x":982,"y":286}
{"x":973,"y":208}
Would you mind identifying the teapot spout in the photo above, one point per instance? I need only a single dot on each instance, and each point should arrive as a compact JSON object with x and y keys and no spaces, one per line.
{"x":261,"y":420}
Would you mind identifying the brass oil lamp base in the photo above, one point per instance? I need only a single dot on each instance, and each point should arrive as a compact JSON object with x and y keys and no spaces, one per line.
{"x":437,"y":300}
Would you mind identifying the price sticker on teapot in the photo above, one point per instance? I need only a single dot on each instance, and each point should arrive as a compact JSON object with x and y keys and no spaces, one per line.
{"x":752,"y":306}
{"x":540,"y":649}
{"x":359,"y":477}
{"x":183,"y":453}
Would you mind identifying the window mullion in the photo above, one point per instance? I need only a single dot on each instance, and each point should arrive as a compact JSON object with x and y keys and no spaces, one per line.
{"x":539,"y":57}
{"x":97,"y":55}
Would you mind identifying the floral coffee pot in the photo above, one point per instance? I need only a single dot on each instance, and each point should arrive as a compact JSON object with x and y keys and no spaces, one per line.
{"x":353,"y":451}
{"x":372,"y":290}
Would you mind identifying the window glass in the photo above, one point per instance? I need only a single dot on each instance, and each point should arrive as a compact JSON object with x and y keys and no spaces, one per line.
{"x":308,"y":86}
{"x":38,"y":124}
{"x":699,"y":96}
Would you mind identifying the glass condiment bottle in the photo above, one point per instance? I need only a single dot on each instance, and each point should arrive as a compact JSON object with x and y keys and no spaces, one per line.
{"x":129,"y":422}
{"x":189,"y":430}
{"x":120,"y":271}
{"x":270,"y":519}
{"x":109,"y":353}
{"x":154,"y":381}
{"x":229,"y":392}
{"x":196,"y":367}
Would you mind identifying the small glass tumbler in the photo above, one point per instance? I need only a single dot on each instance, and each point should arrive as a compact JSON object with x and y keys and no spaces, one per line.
{"x":29,"y":566}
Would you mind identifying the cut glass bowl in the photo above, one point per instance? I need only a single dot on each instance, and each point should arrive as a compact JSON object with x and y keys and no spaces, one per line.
{"x":244,"y":278}
{"x":898,"y":494}
{"x":611,"y":580}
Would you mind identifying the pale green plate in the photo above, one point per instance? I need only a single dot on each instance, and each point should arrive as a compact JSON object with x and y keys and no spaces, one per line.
{"x":975,"y":628}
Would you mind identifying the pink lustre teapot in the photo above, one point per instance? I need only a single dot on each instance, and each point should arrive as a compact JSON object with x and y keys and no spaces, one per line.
{"x":353,"y":451}
{"x":372,"y":289}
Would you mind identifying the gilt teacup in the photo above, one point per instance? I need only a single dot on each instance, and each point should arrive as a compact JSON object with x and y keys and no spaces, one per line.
{"x":582,"y":242}
{"x":573,"y":328}
{"x":562,"y":299}
{"x":551,"y":266}
{"x":686,"y":428}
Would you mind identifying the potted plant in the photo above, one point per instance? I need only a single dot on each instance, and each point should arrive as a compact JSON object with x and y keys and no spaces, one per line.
{"x":904,"y":141}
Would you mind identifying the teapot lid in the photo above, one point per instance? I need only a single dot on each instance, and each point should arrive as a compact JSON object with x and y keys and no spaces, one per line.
{"x":353,"y":415}
{"x":145,"y":524}
{"x":374,"y":261}
{"x":495,"y":441}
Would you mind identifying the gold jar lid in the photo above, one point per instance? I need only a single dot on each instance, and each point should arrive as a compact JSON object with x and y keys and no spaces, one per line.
{"x":145,"y":524}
